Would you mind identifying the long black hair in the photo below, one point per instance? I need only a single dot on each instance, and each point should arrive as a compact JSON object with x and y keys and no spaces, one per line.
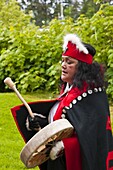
{"x":92,"y":74}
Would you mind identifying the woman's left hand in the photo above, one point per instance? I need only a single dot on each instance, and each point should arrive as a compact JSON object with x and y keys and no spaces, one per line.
{"x":57,"y":150}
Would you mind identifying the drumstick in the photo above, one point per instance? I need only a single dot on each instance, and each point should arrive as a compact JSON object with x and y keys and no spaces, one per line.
{"x":12,"y":86}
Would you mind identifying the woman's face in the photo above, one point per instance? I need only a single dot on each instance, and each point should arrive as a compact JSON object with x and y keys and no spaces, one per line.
{"x":69,"y":68}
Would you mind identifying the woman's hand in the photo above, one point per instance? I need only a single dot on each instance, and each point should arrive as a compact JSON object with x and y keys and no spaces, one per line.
{"x":57,"y":150}
{"x":36,"y":123}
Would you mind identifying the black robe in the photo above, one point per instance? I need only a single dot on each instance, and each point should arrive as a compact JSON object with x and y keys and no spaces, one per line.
{"x":91,"y":120}
{"x":90,"y":117}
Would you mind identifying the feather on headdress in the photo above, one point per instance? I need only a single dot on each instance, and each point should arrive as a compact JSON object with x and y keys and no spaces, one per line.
{"x":75,"y":40}
{"x":74,"y":48}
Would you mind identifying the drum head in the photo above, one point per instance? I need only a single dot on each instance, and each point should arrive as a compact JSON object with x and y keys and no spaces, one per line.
{"x":36,"y":150}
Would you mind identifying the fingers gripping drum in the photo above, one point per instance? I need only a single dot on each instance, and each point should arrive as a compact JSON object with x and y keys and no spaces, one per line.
{"x":57,"y":150}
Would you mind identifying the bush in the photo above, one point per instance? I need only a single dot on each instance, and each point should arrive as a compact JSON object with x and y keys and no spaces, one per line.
{"x":31,"y":56}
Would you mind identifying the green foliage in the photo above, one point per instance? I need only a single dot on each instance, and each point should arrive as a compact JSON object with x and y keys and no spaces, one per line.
{"x":110,"y":73}
{"x":98,"y":31}
{"x":103,"y":1}
{"x":31,"y":56}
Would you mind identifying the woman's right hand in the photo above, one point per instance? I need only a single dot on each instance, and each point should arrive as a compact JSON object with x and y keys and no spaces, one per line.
{"x":36,"y":123}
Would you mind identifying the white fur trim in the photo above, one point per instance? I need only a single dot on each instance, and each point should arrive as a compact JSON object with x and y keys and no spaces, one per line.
{"x":27,"y":125}
{"x":59,"y":146}
{"x":40,"y":115}
{"x":75,"y":40}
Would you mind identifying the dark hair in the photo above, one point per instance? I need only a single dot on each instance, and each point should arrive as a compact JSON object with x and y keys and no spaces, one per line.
{"x":90,"y":48}
{"x":92,"y":74}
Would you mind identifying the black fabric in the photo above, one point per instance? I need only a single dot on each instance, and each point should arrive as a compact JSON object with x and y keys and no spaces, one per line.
{"x":22,"y":113}
{"x":21,"y":116}
{"x":37,"y":122}
{"x":89,"y":117}
{"x":57,"y":164}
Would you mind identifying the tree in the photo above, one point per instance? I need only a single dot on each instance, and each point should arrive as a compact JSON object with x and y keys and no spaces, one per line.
{"x":103,"y":1}
{"x":73,"y":9}
{"x":89,"y":8}
{"x":45,"y":10}
{"x":42,"y":12}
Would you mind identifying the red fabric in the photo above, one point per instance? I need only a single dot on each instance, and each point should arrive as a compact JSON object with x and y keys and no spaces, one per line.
{"x":72,"y":153}
{"x":108,"y":125}
{"x":110,"y":157}
{"x":72,"y":147}
{"x":66,"y":100}
{"x":73,"y":52}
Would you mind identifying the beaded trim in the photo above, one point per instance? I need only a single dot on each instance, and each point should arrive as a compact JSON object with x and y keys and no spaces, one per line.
{"x":79,"y":98}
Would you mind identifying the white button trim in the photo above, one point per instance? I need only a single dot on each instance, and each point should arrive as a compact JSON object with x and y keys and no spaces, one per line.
{"x":90,"y":91}
{"x":79,"y":98}
{"x":95,"y":90}
{"x":70,"y":105}
{"x":74,"y":101}
{"x":63,"y":116}
{"x":100,"y":89}
{"x":84,"y":94}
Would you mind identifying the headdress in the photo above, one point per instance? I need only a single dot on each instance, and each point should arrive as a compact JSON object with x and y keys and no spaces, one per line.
{"x":73,"y":47}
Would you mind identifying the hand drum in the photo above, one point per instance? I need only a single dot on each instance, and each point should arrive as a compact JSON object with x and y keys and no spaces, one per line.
{"x":36,"y":150}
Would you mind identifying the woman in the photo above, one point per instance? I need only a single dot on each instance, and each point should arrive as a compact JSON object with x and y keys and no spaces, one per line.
{"x":84,"y":103}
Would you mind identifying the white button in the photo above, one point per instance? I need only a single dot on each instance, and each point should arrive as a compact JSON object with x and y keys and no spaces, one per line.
{"x":90,"y":91}
{"x":74,"y":101}
{"x":63,"y":116}
{"x":70,"y":105}
{"x":95,"y":89}
{"x":67,"y":107}
{"x":79,"y":98}
{"x":84,"y":94}
{"x":100,"y":89}
{"x":64,"y":110}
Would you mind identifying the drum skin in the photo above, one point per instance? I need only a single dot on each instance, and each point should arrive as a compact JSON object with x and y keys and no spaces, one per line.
{"x":36,"y":150}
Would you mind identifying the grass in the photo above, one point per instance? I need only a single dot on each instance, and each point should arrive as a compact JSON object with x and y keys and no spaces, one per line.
{"x":111,"y":115}
{"x":11,"y":143}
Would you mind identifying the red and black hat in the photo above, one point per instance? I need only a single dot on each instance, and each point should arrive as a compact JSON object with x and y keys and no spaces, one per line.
{"x":73,"y":47}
